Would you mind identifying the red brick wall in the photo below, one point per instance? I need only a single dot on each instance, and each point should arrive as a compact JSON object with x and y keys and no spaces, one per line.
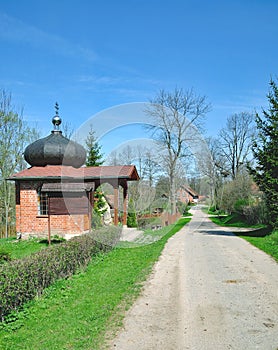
{"x":30,"y":223}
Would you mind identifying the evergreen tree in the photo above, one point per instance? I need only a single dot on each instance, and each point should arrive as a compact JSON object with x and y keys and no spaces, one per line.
{"x":265,"y":151}
{"x":94,"y":155}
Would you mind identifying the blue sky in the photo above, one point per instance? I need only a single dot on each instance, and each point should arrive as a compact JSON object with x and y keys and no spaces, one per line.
{"x":90,"y":55}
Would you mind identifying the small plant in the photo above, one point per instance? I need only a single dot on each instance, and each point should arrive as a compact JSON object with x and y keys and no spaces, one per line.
{"x":182,"y":207}
{"x":4,"y":256}
{"x":99,"y":209}
{"x":213,"y":210}
{"x":131,"y":215}
{"x":54,"y":240}
{"x":131,"y":220}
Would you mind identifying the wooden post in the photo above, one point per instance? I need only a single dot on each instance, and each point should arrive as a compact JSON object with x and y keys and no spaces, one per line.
{"x":125,"y":205}
{"x":116,"y":205}
{"x":90,"y":208}
{"x":49,"y":226}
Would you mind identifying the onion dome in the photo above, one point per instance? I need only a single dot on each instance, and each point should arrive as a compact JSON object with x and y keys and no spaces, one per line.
{"x":55,"y":149}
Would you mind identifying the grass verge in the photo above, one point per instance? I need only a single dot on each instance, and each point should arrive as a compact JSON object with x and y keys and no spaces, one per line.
{"x":262,"y":238}
{"x":233,"y":220}
{"x":76,"y":313}
{"x":268,"y":244}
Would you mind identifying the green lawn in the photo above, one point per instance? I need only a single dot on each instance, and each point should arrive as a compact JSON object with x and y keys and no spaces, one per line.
{"x":18,"y":249}
{"x":76,"y":313}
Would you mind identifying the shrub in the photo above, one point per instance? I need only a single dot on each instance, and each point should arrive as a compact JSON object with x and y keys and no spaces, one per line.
{"x":240,"y":204}
{"x":131,"y":215}
{"x":131,"y":220}
{"x":108,"y":235}
{"x":4,"y":256}
{"x":22,"y":280}
{"x":213,"y":209}
{"x":147,"y":222}
{"x":182,"y":208}
{"x":96,"y":220}
{"x":256,"y":214}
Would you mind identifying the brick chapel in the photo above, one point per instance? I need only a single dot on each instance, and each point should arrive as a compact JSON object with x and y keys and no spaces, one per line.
{"x":55,"y":195}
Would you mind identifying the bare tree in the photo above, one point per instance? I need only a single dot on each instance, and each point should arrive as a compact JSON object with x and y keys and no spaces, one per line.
{"x":127,"y":155}
{"x":113,"y":159}
{"x":236,"y":140}
{"x":67,"y":129}
{"x":173,"y":115}
{"x":14,"y":136}
{"x":151,"y":168}
{"x":140,"y":155}
{"x":213,"y":167}
{"x":123,"y":157}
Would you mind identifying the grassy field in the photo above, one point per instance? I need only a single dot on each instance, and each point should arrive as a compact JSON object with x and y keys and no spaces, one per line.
{"x":76,"y":313}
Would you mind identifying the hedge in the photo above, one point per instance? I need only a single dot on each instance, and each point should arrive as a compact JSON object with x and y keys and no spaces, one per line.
{"x":22,"y":280}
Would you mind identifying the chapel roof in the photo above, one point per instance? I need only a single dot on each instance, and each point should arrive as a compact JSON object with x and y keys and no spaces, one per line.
{"x":55,"y":149}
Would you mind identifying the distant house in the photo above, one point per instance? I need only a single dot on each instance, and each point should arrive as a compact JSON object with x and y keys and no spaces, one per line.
{"x":186,"y":194}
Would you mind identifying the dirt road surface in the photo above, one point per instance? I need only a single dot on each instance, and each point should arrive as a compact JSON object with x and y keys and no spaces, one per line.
{"x":210,"y":290}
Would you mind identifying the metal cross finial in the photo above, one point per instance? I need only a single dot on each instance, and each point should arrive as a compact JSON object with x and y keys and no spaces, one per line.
{"x":57,"y":108}
{"x":56,"y":120}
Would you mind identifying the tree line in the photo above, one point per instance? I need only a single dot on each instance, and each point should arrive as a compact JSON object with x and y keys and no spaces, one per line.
{"x":237,"y":169}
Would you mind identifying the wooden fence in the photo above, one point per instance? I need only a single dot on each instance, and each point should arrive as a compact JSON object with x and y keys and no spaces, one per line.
{"x":169,"y":219}
{"x":11,"y":231}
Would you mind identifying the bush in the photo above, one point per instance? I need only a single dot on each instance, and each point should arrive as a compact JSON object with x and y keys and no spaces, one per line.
{"x":107,"y":235}
{"x":147,"y":222}
{"x":96,"y":220}
{"x":131,"y":215}
{"x":22,"y":280}
{"x":256,"y":214}
{"x":182,"y":208}
{"x":213,"y":209}
{"x":131,"y":220}
{"x":4,"y":256}
{"x":240,"y":204}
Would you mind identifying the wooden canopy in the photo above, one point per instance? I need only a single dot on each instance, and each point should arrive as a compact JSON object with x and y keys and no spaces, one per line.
{"x":56,"y":179}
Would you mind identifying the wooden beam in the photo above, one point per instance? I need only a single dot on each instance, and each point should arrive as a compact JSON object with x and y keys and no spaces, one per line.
{"x":116,"y":206}
{"x":49,"y":223}
{"x":125,"y":204}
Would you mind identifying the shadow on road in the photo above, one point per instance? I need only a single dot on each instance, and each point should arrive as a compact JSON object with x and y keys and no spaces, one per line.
{"x":217,"y":233}
{"x":261,"y":232}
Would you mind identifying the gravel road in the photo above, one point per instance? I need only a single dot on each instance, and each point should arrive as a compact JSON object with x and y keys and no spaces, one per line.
{"x":209,"y":290}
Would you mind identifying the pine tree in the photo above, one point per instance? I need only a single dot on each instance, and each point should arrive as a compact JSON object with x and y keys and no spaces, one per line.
{"x":94,"y":155}
{"x":265,"y":151}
